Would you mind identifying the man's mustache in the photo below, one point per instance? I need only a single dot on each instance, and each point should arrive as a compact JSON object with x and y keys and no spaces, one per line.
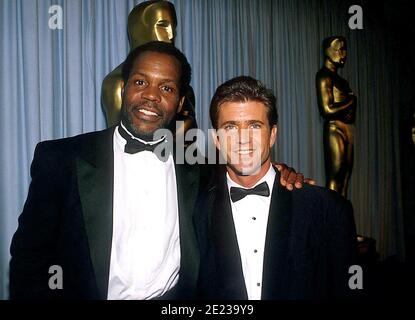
{"x":152,"y":106}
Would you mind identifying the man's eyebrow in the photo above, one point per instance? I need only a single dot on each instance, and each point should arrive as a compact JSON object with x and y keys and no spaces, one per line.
{"x":229,"y":122}
{"x":254,"y":121}
{"x":239,"y":122}
{"x":166,"y":80}
{"x":163,"y":81}
{"x":137,"y":74}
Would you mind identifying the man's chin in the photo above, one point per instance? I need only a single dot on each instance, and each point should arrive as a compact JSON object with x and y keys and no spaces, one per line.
{"x":146,"y":135}
{"x":247,"y":170}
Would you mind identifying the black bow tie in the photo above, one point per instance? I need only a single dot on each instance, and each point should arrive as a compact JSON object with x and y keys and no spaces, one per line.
{"x":240,"y":193}
{"x":134,"y":146}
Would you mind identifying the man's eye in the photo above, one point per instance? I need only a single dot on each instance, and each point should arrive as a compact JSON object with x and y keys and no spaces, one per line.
{"x":139,"y":82}
{"x":229,"y":127}
{"x":168,"y":89}
{"x":255,"y":126}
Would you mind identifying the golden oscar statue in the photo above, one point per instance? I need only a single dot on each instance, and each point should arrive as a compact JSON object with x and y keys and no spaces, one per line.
{"x":337,"y":104}
{"x":148,"y":21}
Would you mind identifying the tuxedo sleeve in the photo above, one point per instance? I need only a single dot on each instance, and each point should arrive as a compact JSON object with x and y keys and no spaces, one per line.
{"x":342,"y":244}
{"x":33,"y":248}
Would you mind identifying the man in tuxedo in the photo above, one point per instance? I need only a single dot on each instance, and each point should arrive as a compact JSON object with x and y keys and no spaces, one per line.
{"x":258,"y":240}
{"x":118,"y":221}
{"x":105,"y":217}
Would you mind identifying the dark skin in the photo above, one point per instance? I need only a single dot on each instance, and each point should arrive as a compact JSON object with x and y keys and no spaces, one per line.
{"x":151,"y":95}
{"x":290,"y":178}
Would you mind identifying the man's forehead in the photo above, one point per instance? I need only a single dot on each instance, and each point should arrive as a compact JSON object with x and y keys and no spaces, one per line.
{"x":248,"y":111}
{"x":243,"y":106}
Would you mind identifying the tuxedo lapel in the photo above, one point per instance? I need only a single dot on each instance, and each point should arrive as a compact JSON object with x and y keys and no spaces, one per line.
{"x":276,"y":253}
{"x":228,"y":266}
{"x":95,"y":170}
{"x":187,"y":179}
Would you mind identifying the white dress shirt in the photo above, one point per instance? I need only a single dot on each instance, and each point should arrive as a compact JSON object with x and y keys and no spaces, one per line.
{"x":145,"y":251}
{"x":250,"y":216}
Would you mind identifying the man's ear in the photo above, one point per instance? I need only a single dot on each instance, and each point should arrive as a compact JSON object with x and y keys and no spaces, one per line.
{"x":181,"y":102}
{"x":273,"y":138}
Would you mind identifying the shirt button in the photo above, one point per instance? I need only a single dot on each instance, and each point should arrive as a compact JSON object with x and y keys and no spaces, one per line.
{"x":258,"y":284}
{"x":255,"y":250}
{"x":253,"y":218}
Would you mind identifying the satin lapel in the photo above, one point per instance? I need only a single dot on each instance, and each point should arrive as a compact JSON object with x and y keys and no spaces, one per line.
{"x":227,"y":256}
{"x":187,"y":179}
{"x":95,"y":169}
{"x":277,"y":242}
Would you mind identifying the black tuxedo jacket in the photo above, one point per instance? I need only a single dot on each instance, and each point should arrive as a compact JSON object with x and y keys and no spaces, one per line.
{"x":310,"y":244}
{"x":67,"y":221}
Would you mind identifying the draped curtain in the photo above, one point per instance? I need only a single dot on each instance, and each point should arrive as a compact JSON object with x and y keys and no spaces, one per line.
{"x":50,"y":83}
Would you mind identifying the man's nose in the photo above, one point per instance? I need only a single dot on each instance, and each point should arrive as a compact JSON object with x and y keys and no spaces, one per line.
{"x":152,"y":93}
{"x":244,"y":136}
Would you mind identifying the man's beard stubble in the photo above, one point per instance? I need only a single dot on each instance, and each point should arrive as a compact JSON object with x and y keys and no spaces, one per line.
{"x":127,"y":120}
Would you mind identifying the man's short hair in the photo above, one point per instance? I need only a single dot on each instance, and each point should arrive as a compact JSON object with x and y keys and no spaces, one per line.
{"x":160,"y":47}
{"x":243,"y":89}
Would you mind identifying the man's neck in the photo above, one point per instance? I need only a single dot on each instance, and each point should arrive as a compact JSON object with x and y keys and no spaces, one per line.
{"x":251,"y":180}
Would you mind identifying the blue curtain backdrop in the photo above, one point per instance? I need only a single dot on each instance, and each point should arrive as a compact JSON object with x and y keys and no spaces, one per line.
{"x":50,"y":82}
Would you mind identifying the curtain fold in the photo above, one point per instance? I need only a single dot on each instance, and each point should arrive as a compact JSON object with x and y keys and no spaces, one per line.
{"x":50,"y":84}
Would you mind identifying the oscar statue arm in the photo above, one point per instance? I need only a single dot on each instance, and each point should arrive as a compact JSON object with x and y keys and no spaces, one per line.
{"x":330,"y":109}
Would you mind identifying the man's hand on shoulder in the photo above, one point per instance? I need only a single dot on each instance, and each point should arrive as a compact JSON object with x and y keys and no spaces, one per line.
{"x":290,"y":178}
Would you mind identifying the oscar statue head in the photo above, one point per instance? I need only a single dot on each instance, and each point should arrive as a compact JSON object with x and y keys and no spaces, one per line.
{"x":335,"y":50}
{"x":152,"y":21}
